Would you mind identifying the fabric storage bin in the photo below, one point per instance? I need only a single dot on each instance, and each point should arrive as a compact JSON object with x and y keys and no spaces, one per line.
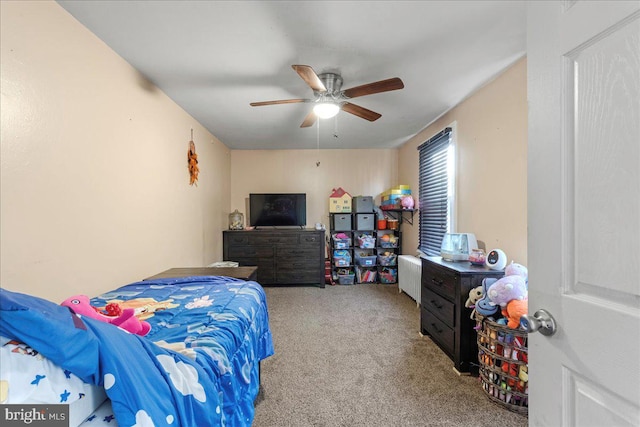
{"x":387,"y":260}
{"x":341,"y":222}
{"x":365,"y":221}
{"x":503,"y":357}
{"x":366,"y":275}
{"x":341,"y":242}
{"x":366,"y":241}
{"x":341,"y":258}
{"x":365,"y":259}
{"x":388,"y":275}
{"x":362,"y":204}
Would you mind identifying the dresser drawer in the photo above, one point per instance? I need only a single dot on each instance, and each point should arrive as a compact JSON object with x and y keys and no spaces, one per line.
{"x":442,"y":334}
{"x":249,"y":251}
{"x":236,"y":239}
{"x":441,"y":281}
{"x":272,"y":239}
{"x":301,"y":253}
{"x":312,"y":239}
{"x":299,"y":264}
{"x":442,"y":308}
{"x":297,"y":276}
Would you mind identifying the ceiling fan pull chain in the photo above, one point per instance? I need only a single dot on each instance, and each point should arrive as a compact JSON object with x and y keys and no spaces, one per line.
{"x":318,"y":143}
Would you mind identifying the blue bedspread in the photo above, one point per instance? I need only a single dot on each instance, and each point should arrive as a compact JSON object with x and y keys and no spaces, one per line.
{"x":197,"y":367}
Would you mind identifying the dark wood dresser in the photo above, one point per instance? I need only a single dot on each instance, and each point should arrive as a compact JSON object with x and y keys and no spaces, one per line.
{"x":443,"y":316}
{"x":283,"y":256}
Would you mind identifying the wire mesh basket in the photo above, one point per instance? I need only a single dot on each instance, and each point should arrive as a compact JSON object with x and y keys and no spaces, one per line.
{"x":503,"y":357}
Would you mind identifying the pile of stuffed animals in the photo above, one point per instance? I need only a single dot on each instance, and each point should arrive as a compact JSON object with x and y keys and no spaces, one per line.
{"x":507,"y":295}
{"x":502,"y":352}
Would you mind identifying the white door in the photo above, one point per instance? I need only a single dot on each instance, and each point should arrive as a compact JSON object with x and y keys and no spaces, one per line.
{"x":584,"y":211}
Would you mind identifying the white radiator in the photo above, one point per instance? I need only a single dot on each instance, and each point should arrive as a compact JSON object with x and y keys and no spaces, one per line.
{"x":409,"y":274}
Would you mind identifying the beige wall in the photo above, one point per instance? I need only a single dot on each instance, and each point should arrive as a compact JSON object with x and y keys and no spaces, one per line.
{"x":94,"y":184}
{"x":94,"y":181}
{"x":359,"y":172}
{"x":492,"y":164}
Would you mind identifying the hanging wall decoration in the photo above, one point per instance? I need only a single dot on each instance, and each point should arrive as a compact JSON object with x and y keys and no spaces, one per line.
{"x":192,"y":157}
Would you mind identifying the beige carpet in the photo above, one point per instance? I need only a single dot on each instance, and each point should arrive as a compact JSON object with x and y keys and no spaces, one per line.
{"x":352,"y":356}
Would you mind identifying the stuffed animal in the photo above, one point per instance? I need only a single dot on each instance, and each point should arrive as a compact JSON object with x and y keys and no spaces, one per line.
{"x":474,"y":295}
{"x":483,"y":305}
{"x":506,"y":289}
{"x":407,"y":202}
{"x":514,"y":310}
{"x":127,"y":320}
{"x":515,"y":269}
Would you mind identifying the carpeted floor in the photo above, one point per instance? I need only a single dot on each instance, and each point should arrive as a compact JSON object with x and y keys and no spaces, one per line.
{"x":352,"y":356}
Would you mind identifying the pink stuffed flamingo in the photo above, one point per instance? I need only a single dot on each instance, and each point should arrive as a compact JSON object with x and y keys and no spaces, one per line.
{"x":80,"y":304}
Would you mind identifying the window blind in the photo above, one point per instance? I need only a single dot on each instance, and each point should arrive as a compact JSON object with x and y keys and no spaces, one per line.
{"x":433,"y":188}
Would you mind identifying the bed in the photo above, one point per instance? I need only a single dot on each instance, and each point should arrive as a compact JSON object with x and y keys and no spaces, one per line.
{"x":198,"y":365}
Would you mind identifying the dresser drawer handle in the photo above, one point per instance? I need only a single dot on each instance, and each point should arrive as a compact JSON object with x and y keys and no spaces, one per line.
{"x":276,"y":240}
{"x":437,"y":282}
{"x":435,"y":304}
{"x":438,"y":330}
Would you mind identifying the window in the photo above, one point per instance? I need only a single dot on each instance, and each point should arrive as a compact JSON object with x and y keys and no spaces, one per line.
{"x":436,"y":191}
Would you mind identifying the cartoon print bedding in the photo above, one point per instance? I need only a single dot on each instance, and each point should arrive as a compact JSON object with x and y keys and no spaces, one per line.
{"x":197,"y":366}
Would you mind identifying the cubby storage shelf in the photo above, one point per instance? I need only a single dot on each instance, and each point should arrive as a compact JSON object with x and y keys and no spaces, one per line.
{"x":372,"y":253}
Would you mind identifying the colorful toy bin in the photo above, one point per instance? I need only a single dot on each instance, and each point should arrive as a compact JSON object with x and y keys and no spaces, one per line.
{"x":341,"y":241}
{"x":341,"y":258}
{"x":365,"y":259}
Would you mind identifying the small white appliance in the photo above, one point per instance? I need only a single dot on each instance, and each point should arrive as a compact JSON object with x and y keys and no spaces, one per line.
{"x":457,"y":246}
{"x":496,"y":259}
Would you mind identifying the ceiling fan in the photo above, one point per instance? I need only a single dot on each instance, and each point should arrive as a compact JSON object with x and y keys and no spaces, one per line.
{"x":329,"y":99}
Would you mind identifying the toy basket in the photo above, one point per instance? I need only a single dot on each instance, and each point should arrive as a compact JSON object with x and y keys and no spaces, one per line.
{"x":366,"y":241}
{"x":503,"y":357}
{"x":341,"y":258}
{"x":341,"y":243}
{"x":387,"y":260}
{"x":388,"y":275}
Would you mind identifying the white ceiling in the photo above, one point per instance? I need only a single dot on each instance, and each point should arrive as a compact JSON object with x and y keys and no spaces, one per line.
{"x":215,"y":57}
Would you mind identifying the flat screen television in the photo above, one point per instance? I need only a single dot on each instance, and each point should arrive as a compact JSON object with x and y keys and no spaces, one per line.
{"x":277,"y":209}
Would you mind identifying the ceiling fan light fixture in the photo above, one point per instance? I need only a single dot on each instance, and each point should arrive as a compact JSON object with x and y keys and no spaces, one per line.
{"x":326,"y":110}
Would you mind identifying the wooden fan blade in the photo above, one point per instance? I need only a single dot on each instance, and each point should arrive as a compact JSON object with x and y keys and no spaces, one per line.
{"x":359,"y":111}
{"x":309,"y":120}
{"x":376,"y":87}
{"x":282,"y":101}
{"x":310,"y":77}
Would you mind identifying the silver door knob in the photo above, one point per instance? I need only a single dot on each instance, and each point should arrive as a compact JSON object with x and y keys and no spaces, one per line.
{"x":541,"y":321}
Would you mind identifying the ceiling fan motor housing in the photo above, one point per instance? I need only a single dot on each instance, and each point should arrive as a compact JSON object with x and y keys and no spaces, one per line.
{"x":332,"y":82}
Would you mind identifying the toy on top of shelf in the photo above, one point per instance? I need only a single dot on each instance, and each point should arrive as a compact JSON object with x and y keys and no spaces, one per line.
{"x":407,"y":202}
{"x":339,"y":201}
